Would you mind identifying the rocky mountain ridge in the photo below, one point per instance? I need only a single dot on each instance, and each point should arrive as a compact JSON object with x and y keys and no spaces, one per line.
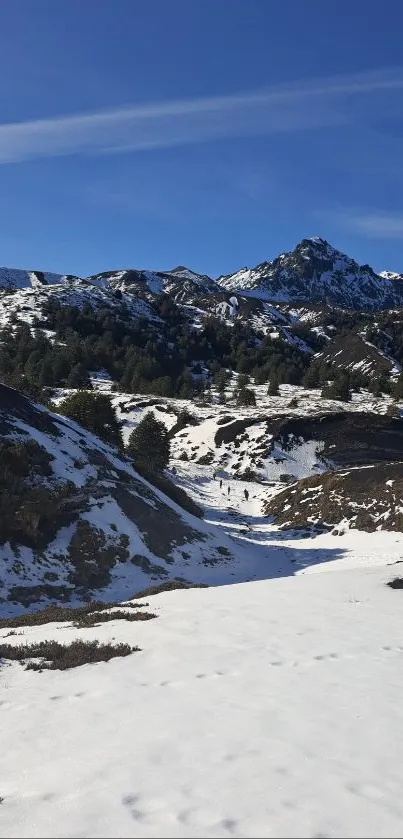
{"x":319,"y":273}
{"x":313,"y":272}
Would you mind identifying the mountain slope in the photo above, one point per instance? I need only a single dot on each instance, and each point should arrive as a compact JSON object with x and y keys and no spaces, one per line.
{"x":27,"y":304}
{"x":12,"y":278}
{"x":365,"y":498}
{"x":77,"y":520}
{"x":315,"y":271}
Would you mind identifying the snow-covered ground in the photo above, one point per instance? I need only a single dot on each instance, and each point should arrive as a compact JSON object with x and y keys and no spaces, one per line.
{"x":268,"y":708}
{"x":255,"y":710}
{"x":248,"y":448}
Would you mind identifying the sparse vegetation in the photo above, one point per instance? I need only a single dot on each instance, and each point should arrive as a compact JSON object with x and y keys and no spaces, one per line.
{"x":81,"y":616}
{"x":393,"y":410}
{"x":93,"y":618}
{"x":92,"y":556}
{"x":31,"y":508}
{"x":50,"y":655}
{"x":171,"y":585}
{"x":185,"y":418}
{"x":368,"y":497}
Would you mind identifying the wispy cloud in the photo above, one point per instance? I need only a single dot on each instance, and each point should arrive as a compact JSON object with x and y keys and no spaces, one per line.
{"x":309,"y":105}
{"x":379,"y":225}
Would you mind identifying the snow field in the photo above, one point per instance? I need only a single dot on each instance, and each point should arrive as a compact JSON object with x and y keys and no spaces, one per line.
{"x":245,"y":715}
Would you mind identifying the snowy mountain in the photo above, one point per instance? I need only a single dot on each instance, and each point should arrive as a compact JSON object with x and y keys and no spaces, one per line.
{"x":26,"y":304}
{"x":276,"y":680}
{"x":295,"y":299}
{"x":23,"y":296}
{"x":315,"y":271}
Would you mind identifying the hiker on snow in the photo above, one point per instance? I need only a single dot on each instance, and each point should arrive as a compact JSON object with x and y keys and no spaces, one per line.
{"x":229,"y":490}
{"x":220,"y":483}
{"x":246,"y":494}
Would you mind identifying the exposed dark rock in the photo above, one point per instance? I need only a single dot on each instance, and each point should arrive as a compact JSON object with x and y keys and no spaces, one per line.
{"x":368,"y":498}
{"x":349,"y":438}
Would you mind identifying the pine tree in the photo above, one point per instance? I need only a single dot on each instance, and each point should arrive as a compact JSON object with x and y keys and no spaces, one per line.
{"x":260,"y":375}
{"x":273,"y":389}
{"x":245,"y":397}
{"x":95,"y":412}
{"x":243,"y":381}
{"x":397,"y":391}
{"x":338,"y":389}
{"x":311,"y":378}
{"x":149,"y":444}
{"x":78,"y":377}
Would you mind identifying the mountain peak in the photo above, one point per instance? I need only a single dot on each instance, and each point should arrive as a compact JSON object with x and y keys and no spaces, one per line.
{"x":316,"y":272}
{"x":316,"y":244}
{"x":317,"y":240}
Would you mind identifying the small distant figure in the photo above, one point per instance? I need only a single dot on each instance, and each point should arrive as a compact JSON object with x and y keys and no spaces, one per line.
{"x":214,"y":475}
{"x":246,"y":494}
{"x":220,"y":483}
{"x":228,"y":490}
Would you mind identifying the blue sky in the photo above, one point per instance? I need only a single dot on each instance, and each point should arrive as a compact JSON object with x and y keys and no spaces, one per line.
{"x":210,"y":133}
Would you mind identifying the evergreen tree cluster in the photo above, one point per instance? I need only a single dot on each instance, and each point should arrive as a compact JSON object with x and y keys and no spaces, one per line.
{"x":320,"y":372}
{"x":387,"y":335}
{"x":338,"y":389}
{"x":95,"y":412}
{"x":160,"y":356}
{"x":141,"y":356}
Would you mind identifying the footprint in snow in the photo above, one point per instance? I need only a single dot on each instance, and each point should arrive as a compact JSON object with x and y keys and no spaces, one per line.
{"x":130,"y":801}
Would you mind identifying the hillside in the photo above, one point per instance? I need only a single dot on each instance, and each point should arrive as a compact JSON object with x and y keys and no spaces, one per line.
{"x":77,"y":520}
{"x":312,"y":312}
{"x":15,"y":278}
{"x":366,"y":498}
{"x":237,"y":379}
